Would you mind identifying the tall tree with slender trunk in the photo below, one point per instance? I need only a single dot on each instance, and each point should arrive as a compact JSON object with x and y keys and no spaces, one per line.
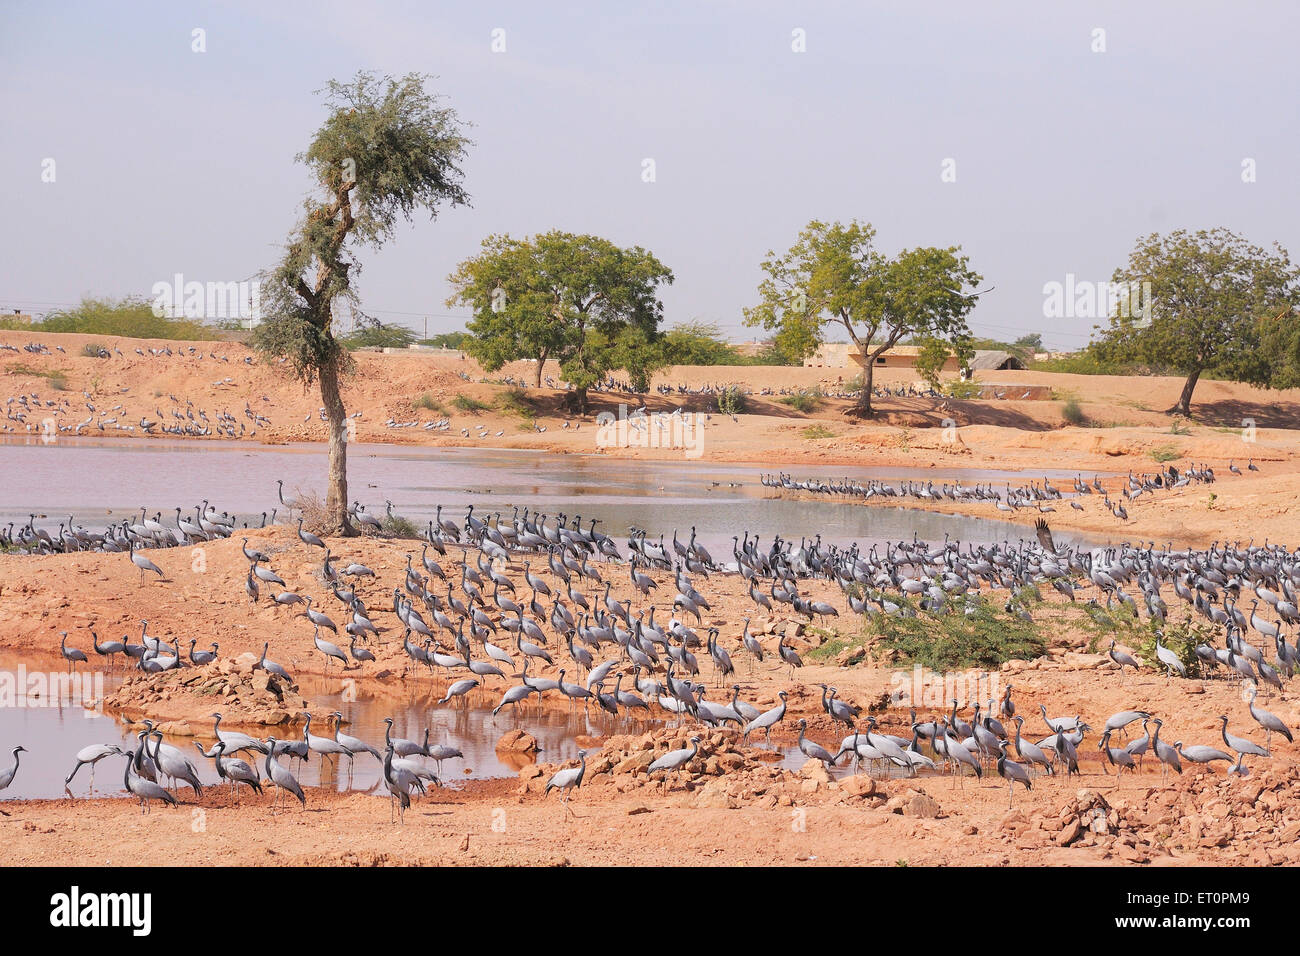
{"x":387,"y":149}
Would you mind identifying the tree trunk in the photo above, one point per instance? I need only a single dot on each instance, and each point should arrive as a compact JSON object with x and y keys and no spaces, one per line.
{"x":537,"y":379}
{"x":1184,"y":406}
{"x":336,"y":498}
{"x":863,"y":408}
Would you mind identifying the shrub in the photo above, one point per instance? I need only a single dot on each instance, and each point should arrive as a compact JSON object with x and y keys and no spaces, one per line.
{"x":804,"y":401}
{"x":1073,"y":413}
{"x":465,"y":403}
{"x":818,"y":431}
{"x":732,"y":401}
{"x":985,"y":637}
{"x":962,"y":389}
{"x":1165,"y":453}
{"x":515,"y":402}
{"x":430,"y":403}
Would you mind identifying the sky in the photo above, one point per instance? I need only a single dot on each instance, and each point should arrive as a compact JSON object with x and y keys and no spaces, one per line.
{"x":1043,"y":138}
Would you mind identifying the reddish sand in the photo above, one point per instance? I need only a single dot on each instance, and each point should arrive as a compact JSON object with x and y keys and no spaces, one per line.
{"x":748,"y":816}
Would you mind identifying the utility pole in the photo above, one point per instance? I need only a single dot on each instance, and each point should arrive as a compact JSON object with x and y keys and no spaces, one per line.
{"x":426,"y":326}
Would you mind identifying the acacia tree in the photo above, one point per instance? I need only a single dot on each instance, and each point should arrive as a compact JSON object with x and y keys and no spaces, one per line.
{"x":576,"y":299}
{"x":386,"y":149}
{"x":1210,"y":293}
{"x":834,"y":277}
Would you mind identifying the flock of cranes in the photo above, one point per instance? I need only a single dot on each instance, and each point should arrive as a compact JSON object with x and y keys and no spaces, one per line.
{"x":1035,"y":496}
{"x":539,"y":591}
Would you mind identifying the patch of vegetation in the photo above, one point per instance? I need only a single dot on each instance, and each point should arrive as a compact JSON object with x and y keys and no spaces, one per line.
{"x":427,"y":401}
{"x":1083,"y":363}
{"x":1179,"y":427}
{"x":815,"y":432}
{"x":804,"y":401}
{"x":465,"y":403}
{"x":732,"y":401}
{"x":829,"y":649}
{"x":1210,"y":501}
{"x":905,"y":438}
{"x":515,"y":402}
{"x":1181,"y":637}
{"x":58,"y":381}
{"x":446,"y":340}
{"x":1073,"y":413}
{"x":379,"y":335}
{"x":985,"y":637}
{"x":395,"y":526}
{"x":1163,"y":453}
{"x":21,"y":368}
{"x":132,"y":317}
{"x":958,"y":388}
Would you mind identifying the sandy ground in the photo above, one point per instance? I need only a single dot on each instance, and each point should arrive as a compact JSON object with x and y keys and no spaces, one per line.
{"x":1199,"y":817}
{"x":751,"y":815}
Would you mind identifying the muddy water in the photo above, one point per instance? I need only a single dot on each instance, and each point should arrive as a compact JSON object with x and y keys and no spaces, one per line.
{"x":53,"y":726}
{"x":102,"y":481}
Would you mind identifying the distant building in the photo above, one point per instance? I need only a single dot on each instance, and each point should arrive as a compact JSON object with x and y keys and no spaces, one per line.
{"x":905,"y":356}
{"x":748,"y":349}
{"x":830,"y":355}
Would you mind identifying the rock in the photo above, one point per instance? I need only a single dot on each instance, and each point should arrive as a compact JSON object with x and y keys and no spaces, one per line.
{"x":517,"y":741}
{"x":530,"y":772}
{"x":858,"y":785}
{"x":815,"y":770}
{"x":714,"y":795}
{"x":638,"y":810}
{"x":1069,"y":833}
{"x":731,"y":762}
{"x":923,"y":806}
{"x":641,"y":760}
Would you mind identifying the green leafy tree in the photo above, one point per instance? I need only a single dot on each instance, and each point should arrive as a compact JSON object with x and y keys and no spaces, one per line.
{"x":372,"y":334}
{"x":833,"y":276}
{"x":447,"y":340}
{"x":1279,"y":341}
{"x":387,"y":149}
{"x":576,"y":299}
{"x":1209,"y":293}
{"x":698,"y":343}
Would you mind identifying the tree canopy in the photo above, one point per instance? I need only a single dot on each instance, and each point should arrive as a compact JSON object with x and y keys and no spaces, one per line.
{"x":1218,"y":305}
{"x":577,"y":299}
{"x":834,"y":276}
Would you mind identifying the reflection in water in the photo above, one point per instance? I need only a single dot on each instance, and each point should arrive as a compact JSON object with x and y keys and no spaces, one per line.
{"x":99,"y":481}
{"x":53,"y":735}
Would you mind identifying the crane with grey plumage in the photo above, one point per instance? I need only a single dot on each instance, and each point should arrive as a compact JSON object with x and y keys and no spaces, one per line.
{"x":569,"y":779}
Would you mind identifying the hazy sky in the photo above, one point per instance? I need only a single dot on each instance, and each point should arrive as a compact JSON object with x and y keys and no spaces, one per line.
{"x":168,"y":160}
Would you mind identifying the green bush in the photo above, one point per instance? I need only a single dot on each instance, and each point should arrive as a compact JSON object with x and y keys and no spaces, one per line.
{"x":130,"y":317}
{"x":986,"y":637}
{"x":430,"y":403}
{"x":464,"y":403}
{"x":804,"y":401}
{"x":962,"y":389}
{"x":1165,"y":453}
{"x":818,"y":431}
{"x":515,"y":402}
{"x":1073,"y":413}
{"x":732,"y":401}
